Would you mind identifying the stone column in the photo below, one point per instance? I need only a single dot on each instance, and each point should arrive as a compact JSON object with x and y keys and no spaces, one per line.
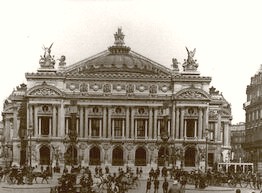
{"x":59,"y":121}
{"x":150,"y":127}
{"x":100,"y":128}
{"x":15,"y":122}
{"x":135,"y":128}
{"x":50,"y":126}
{"x":155,"y":123}
{"x":123,"y":129}
{"x":158,"y":129}
{"x":54,"y":121}
{"x":226,"y":134}
{"x":104,"y":121}
{"x":173,"y":119}
{"x":36,"y":121}
{"x":81,"y":121}
{"x":185,"y":129}
{"x":127,"y":122}
{"x":66,"y":127}
{"x":200,"y":123}
{"x":109,"y":122}
{"x":146,"y":129}
{"x":113,"y":129}
{"x":168,"y":127}
{"x":90,"y":128}
{"x":31,"y":115}
{"x":86,"y":122}
{"x":62,"y":119}
{"x":132,"y":122}
{"x":205,"y":121}
{"x":215,"y":132}
{"x":195,"y":129}
{"x":39,"y":126}
{"x":219,"y":127}
{"x":182,"y":123}
{"x":177,"y":124}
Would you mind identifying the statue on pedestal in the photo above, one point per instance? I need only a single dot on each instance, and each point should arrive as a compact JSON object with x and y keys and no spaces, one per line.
{"x":190,"y":64}
{"x":47,"y":61}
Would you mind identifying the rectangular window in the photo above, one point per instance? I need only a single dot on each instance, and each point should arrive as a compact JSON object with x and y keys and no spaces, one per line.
{"x":190,"y":127}
{"x":141,"y":127}
{"x":45,"y":125}
{"x":95,"y":125}
{"x":212,"y":128}
{"x":118,"y":123}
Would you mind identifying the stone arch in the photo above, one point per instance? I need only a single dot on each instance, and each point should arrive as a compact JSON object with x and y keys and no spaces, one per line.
{"x":118,"y":156}
{"x":140,"y":157}
{"x":163,"y":154}
{"x":190,"y":156}
{"x":45,"y":153}
{"x":94,"y":156}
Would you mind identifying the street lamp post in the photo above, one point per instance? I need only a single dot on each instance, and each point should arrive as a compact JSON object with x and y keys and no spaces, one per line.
{"x":165,"y":137}
{"x":206,"y":158}
{"x":30,"y":132}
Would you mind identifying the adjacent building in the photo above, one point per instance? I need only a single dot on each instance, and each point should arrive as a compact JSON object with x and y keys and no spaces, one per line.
{"x":253,"y":108}
{"x":238,"y":137}
{"x":117,"y":108}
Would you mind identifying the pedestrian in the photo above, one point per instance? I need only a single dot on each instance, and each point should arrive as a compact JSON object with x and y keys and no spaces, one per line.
{"x":183,"y":181}
{"x":148,"y":185}
{"x":174,"y":188}
{"x":156,"y":185}
{"x":140,"y":172}
{"x":165,"y":186}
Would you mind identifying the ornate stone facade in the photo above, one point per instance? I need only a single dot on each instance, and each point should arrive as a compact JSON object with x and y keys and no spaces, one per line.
{"x":119,"y":103}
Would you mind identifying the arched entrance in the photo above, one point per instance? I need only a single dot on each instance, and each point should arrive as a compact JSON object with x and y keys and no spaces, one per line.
{"x":162,"y":156}
{"x":140,"y":157}
{"x":71,"y":155}
{"x":190,"y":157}
{"x":117,"y":157}
{"x":94,"y":156}
{"x":44,"y":155}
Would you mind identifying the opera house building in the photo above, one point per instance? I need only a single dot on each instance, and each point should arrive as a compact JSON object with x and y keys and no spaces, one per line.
{"x":116,"y":108}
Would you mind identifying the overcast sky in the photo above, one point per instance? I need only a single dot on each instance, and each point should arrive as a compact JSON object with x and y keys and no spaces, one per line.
{"x":227,"y":36}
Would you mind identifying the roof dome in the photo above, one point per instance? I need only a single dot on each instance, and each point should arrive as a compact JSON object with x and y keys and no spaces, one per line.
{"x":120,"y":58}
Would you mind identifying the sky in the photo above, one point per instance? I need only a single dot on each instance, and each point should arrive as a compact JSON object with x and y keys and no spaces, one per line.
{"x":227,"y":35}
